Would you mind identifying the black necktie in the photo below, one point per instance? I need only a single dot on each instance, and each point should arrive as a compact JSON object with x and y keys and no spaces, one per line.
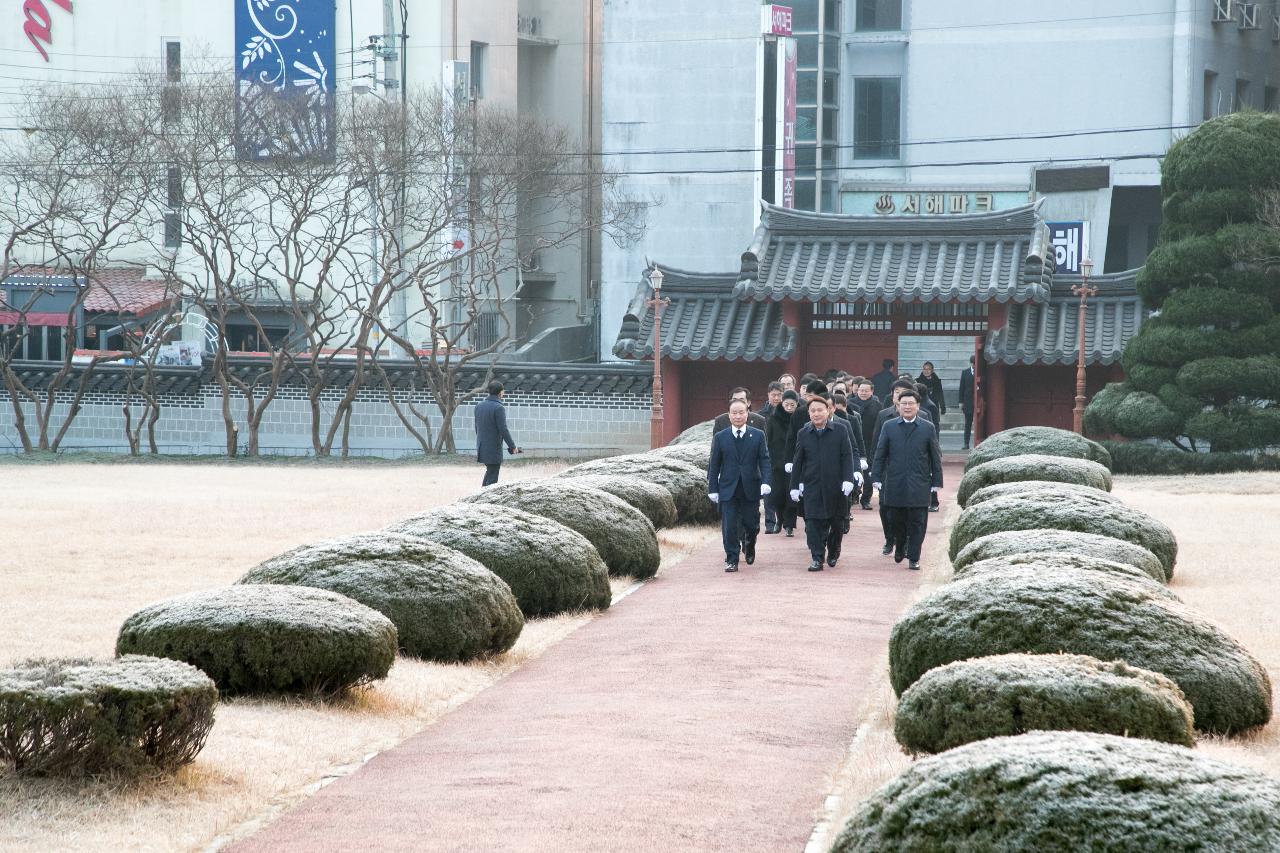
{"x":737,"y":435}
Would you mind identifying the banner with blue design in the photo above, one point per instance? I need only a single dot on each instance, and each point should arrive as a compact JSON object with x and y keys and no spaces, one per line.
{"x":285,"y":55}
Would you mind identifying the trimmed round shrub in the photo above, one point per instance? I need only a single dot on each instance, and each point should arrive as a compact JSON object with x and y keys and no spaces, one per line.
{"x":1046,"y":441}
{"x":72,"y":717}
{"x":1069,"y":791}
{"x":650,"y":498}
{"x":1042,"y":541}
{"x":1087,"y":613}
{"x":1046,"y":562}
{"x":699,"y":432}
{"x":1034,"y":466}
{"x":550,"y":568}
{"x":620,"y":532}
{"x":686,"y":483}
{"x":445,"y":606}
{"x":1041,"y":490}
{"x":1015,"y":694}
{"x":697,"y":454}
{"x":267,"y":639}
{"x":1089,"y":512}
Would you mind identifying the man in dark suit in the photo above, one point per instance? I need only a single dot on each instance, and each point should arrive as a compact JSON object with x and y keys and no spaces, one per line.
{"x":869,"y":406}
{"x":753,"y":420}
{"x":907,"y":471}
{"x":883,"y":380}
{"x":737,"y":477}
{"x":492,"y":433}
{"x":823,"y":476}
{"x":774,"y":400}
{"x":967,"y":400}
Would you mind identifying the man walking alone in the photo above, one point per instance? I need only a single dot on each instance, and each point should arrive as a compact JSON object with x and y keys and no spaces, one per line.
{"x":737,"y":478}
{"x":907,"y":471}
{"x":492,"y":433}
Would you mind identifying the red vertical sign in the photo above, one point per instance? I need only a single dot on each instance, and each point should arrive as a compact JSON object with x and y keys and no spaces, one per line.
{"x":788,"y":47}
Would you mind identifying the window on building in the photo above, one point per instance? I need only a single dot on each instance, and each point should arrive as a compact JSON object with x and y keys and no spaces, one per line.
{"x":174,"y":187}
{"x":815,"y":26}
{"x":876,"y":118}
{"x":1241,"y":101}
{"x":1210,"y":94}
{"x":1270,"y":99}
{"x":173,"y":61}
{"x":172,"y":231}
{"x":876,"y":15}
{"x":479,"y":55}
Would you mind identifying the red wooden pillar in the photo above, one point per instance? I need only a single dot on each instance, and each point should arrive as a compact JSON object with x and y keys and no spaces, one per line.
{"x":979,"y":388}
{"x":672,"y":399}
{"x":997,"y":417}
{"x":990,"y":379}
{"x":791,"y":317}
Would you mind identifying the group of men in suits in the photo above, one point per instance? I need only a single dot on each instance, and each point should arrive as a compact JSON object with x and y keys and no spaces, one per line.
{"x":826,"y":452}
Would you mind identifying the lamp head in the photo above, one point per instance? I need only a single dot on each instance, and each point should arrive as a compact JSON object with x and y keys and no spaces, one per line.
{"x":1086,"y":267}
{"x":655,"y":279}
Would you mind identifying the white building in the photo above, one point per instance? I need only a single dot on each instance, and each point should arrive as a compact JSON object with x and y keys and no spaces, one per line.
{"x":927,"y":106}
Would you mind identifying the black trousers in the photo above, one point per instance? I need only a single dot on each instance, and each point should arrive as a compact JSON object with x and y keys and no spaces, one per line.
{"x":784,"y":509}
{"x":968,"y":425}
{"x":823,"y":536}
{"x":734,"y":511}
{"x":908,"y":525}
{"x":490,"y":475}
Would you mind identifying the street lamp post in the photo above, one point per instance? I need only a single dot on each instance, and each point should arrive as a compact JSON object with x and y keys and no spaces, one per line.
{"x":657,"y":302}
{"x":1084,"y":290}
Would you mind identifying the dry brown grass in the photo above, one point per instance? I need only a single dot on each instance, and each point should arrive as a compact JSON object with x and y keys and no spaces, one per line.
{"x":87,"y":545}
{"x":1227,"y":542}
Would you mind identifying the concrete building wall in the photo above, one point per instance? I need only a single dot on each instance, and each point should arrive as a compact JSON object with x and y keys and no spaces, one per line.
{"x":679,"y":79}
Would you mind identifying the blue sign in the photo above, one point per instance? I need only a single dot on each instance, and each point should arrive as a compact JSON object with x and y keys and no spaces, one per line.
{"x":285,"y":100}
{"x":1070,"y":244}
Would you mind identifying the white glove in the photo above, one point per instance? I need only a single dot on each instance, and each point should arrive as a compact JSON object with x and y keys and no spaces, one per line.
{"x":876,"y":486}
{"x":857,"y":478}
{"x":765,"y":489}
{"x":846,"y":487}
{"x":787,"y":467}
{"x":862,"y":463}
{"x":802,"y":488}
{"x":795,"y":495}
{"x":934,"y":488}
{"x":715,"y":497}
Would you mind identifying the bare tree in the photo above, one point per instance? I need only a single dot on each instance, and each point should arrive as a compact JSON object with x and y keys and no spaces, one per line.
{"x":74,"y":191}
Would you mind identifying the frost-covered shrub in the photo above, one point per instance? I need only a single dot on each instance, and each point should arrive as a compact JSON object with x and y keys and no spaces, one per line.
{"x":1047,"y":441}
{"x":1000,"y":695}
{"x":445,"y":606}
{"x":1049,"y":561}
{"x":550,"y":568}
{"x":686,"y":483}
{"x":1085,"y":613}
{"x":696,"y":453}
{"x":1040,"y":490}
{"x":698,"y":433}
{"x":1069,"y":791}
{"x":1089,"y":512}
{"x":71,"y":717}
{"x":650,"y":498}
{"x":267,"y":639}
{"x":1041,"y":540}
{"x":1033,"y":466}
{"x":620,"y":532}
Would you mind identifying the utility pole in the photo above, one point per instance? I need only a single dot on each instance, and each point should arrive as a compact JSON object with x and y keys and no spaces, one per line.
{"x":392,"y":54}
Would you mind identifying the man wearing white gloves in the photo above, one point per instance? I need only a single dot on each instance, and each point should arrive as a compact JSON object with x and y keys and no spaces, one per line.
{"x":907,"y":470}
{"x":737,"y":478}
{"x":823,"y":474}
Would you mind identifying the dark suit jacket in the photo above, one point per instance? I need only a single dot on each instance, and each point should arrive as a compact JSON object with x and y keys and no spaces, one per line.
{"x":853,"y":421}
{"x":966,"y":389}
{"x":823,"y":462}
{"x":887,"y":415}
{"x":868,"y":409}
{"x":882,"y":382}
{"x":753,"y":420}
{"x":491,"y":431}
{"x":908,"y":463}
{"x":742,"y":461}
{"x":934,"y":384}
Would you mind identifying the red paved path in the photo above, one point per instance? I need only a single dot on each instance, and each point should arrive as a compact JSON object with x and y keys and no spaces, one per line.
{"x":705,"y":712}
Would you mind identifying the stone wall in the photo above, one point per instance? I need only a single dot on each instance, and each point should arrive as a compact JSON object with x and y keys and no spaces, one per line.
{"x":551,"y":411}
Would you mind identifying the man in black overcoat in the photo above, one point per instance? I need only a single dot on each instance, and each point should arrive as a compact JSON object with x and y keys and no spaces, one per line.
{"x":869,"y":406}
{"x":737,"y":477}
{"x":907,"y":471}
{"x":492,"y":433}
{"x":754,"y":420}
{"x":822,"y":476}
{"x":967,"y":401}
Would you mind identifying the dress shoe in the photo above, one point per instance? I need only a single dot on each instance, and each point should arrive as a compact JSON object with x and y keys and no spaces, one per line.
{"x":730,"y":567}
{"x":866,"y":505}
{"x":815,"y":566}
{"x":749,"y":551}
{"x":831,"y":561}
{"x":933,"y":508}
{"x":898,"y":556}
{"x":770,"y":529}
{"x":791,"y":531}
{"x":887,"y":549}
{"x":913,"y":566}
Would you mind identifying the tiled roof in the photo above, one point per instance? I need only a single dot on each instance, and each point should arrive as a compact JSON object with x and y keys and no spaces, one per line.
{"x":1048,"y":333}
{"x":118,"y":290}
{"x":1003,"y":256}
{"x":704,"y":321}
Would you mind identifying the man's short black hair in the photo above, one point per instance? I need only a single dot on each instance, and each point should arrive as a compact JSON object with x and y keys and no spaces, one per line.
{"x":746,"y":392}
{"x":903,"y":383}
{"x":909,"y":393}
{"x":495,"y":388}
{"x":922,"y":391}
{"x":807,"y":378}
{"x":839,"y":399}
{"x":817,"y":386}
{"x":887,"y":363}
{"x":775,"y":386}
{"x":971,"y":359}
